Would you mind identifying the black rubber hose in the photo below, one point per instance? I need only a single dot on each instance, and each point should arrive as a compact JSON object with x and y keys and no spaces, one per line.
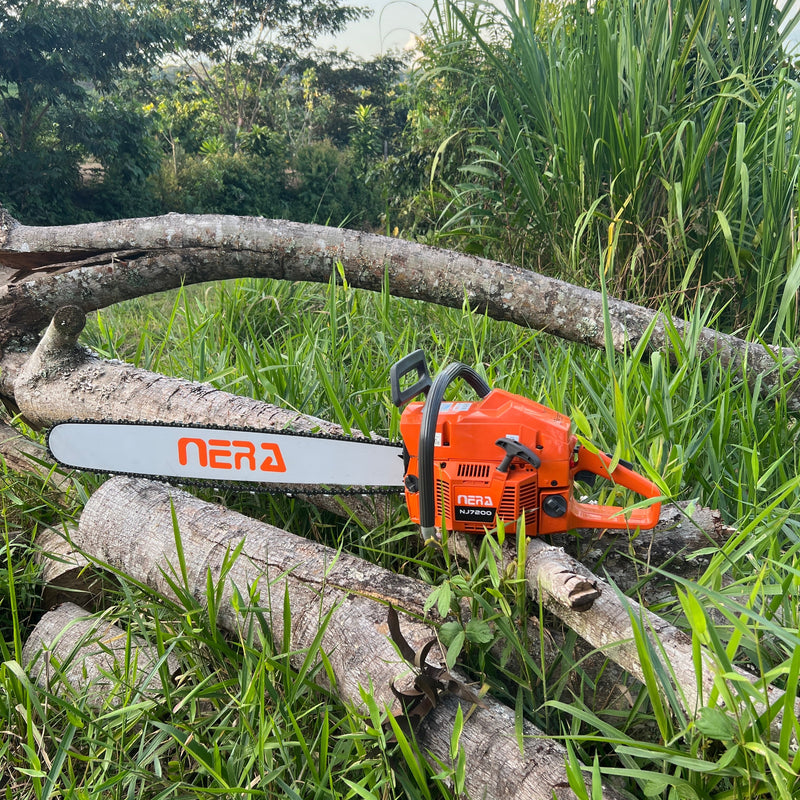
{"x":427,"y":435}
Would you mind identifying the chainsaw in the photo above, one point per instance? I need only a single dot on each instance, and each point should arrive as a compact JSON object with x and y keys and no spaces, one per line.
{"x":463,"y":466}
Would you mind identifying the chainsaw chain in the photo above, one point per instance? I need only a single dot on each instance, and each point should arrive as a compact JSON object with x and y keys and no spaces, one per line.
{"x":283,"y":489}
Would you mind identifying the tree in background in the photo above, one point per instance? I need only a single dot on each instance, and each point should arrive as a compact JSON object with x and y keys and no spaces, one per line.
{"x":236,"y":51}
{"x":58,"y":61}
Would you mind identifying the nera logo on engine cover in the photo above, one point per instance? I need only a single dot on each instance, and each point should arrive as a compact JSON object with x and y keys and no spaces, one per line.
{"x":474,"y":508}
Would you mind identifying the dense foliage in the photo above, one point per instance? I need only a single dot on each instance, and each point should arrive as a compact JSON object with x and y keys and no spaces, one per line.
{"x":657,"y":141}
{"x":112,"y":110}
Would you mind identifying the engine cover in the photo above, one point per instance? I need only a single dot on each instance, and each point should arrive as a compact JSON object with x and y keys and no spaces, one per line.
{"x":496,"y":458}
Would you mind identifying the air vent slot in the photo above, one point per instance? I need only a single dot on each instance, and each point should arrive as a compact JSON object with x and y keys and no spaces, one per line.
{"x":528,"y":496}
{"x":528,"y":502}
{"x":473,"y":471}
{"x":474,"y":527}
{"x":442,"y":499}
{"x":508,"y":505}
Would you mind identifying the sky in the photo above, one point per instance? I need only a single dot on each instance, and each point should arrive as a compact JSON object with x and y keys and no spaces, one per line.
{"x":394,"y":22}
{"x":391,"y":26}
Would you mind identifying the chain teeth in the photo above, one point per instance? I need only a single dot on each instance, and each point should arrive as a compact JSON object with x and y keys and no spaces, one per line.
{"x":286,"y":490}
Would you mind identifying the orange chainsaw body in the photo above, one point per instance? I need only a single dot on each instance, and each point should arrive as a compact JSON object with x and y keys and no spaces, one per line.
{"x":504,"y":456}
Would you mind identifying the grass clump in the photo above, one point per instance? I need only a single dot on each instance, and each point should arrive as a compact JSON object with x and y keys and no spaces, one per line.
{"x":676,"y":123}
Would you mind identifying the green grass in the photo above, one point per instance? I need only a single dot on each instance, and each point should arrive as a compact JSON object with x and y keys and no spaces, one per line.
{"x":242,"y":722}
{"x":677,"y":122}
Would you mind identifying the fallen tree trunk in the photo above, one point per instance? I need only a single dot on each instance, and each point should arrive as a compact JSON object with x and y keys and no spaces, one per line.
{"x":634,"y":561}
{"x":62,"y":380}
{"x":349,"y":594}
{"x":75,"y":654}
{"x":102,"y":263}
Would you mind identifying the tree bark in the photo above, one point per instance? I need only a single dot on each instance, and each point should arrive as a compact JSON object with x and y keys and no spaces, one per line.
{"x":351,"y":595}
{"x":609,"y":626}
{"x":62,"y":380}
{"x":106,"y":262}
{"x":633,"y":561}
{"x":75,"y":654}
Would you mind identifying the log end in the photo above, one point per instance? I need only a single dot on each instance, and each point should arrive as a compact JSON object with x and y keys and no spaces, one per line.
{"x":73,"y":653}
{"x":7,"y":224}
{"x":581,"y":591}
{"x":68,"y":322}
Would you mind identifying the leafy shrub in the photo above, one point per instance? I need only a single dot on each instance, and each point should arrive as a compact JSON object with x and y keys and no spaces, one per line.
{"x":37,"y":185}
{"x":323,"y":187}
{"x":222,"y":183}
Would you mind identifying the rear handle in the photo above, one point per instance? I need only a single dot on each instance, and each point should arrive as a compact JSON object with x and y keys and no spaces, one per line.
{"x":587,"y":515}
{"x":427,"y":438}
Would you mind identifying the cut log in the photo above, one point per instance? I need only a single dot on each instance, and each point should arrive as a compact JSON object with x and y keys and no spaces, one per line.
{"x":140,"y":256}
{"x":681,"y":544}
{"x":560,"y":578}
{"x":128,"y":524}
{"x":67,"y":575}
{"x":75,"y":654}
{"x":22,"y":454}
{"x":609,"y":626}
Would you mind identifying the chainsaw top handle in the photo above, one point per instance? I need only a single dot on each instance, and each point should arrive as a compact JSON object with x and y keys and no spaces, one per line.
{"x":427,"y":436}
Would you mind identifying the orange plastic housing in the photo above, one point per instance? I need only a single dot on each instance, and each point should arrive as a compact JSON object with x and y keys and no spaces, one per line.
{"x":473,"y":491}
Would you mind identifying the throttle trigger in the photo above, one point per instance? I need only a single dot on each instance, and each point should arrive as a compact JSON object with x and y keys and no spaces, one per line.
{"x":586,"y":477}
{"x":514,"y":449}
